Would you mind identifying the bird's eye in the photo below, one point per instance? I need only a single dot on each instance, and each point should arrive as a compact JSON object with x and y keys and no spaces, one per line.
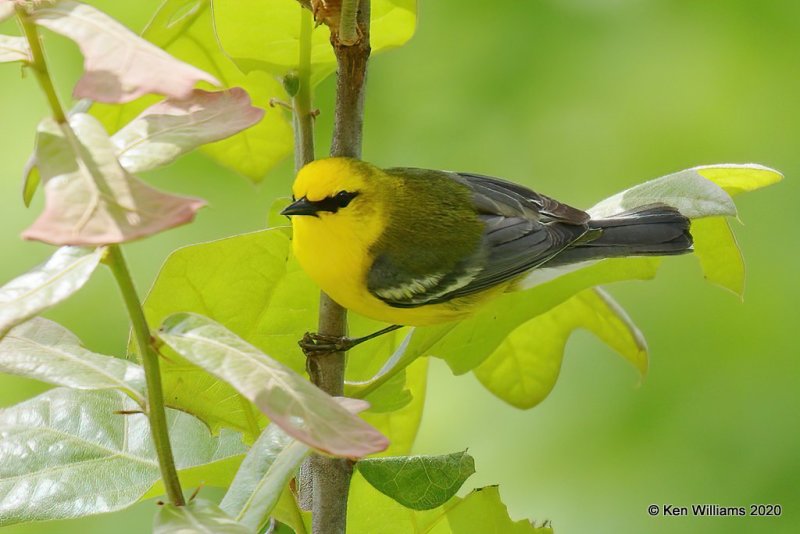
{"x":343,"y":198}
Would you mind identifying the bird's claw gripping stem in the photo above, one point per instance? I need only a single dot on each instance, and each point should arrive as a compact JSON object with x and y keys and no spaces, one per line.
{"x":314,"y":344}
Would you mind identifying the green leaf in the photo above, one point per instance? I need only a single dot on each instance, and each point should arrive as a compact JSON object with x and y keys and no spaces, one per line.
{"x":31,"y":181}
{"x":119,"y":65}
{"x":474,"y":339}
{"x":523,"y":369}
{"x":266,"y":36}
{"x":400,"y":424}
{"x":735,"y":179}
{"x":14,"y":49}
{"x":300,"y":408}
{"x":289,"y":513}
{"x":47,"y":351}
{"x":418,"y":482}
{"x":245,"y":283}
{"x":480,"y":511}
{"x":69,"y":453}
{"x":262,"y":477}
{"x":185,"y":29}
{"x":46,"y":285}
{"x":718,"y":253}
{"x":197,"y":517}
{"x":483,"y":511}
{"x":166,"y":130}
{"x":91,"y":199}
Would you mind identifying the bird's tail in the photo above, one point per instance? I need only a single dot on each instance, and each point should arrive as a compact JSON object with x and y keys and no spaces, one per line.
{"x":652,"y":230}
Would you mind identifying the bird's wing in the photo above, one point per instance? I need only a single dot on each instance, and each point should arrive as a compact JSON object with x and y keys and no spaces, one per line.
{"x":522,"y":230}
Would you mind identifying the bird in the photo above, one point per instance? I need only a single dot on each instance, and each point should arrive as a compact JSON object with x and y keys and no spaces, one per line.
{"x":419,"y":247}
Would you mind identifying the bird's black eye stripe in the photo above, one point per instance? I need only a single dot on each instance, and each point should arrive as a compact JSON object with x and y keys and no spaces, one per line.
{"x":343,"y":198}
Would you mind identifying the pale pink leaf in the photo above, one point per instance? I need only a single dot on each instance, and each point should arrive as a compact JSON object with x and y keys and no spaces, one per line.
{"x":172,"y":127}
{"x":6,"y":9}
{"x":293,"y":403}
{"x":14,"y":49}
{"x":119,"y":65}
{"x":89,"y":198}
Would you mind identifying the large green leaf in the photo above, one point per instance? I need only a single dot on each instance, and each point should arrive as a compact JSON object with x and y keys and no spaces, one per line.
{"x":418,"y":482}
{"x":301,"y":409}
{"x":90,"y":198}
{"x":266,"y":35}
{"x":65,"y":272}
{"x":69,"y":453}
{"x":245,"y":283}
{"x":476,"y":338}
{"x":197,"y":517}
{"x":480,"y":511}
{"x":523,"y":369}
{"x":47,"y":351}
{"x":185,"y":29}
{"x":263,"y":476}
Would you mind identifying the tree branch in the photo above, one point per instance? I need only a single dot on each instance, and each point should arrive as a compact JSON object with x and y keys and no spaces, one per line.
{"x":331,"y":476}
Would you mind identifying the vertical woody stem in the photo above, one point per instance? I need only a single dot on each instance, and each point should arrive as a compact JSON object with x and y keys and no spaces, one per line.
{"x":331,"y":476}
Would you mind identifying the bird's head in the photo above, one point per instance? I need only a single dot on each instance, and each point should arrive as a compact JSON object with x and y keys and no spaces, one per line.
{"x":338,"y":196}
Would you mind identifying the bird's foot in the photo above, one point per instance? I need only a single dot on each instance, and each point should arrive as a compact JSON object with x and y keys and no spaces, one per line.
{"x":314,"y":344}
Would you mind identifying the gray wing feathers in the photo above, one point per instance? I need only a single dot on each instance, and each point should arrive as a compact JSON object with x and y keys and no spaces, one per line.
{"x":522,"y":230}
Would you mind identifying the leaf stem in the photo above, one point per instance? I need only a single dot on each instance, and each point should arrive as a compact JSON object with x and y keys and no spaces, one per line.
{"x":39,"y":65}
{"x":331,"y":476}
{"x":149,"y":358}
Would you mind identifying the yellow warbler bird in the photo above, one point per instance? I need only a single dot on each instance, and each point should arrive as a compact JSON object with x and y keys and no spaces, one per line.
{"x":419,"y":247}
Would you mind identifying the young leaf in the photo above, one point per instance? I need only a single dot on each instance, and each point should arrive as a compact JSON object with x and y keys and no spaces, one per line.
{"x":266,"y":471}
{"x":69,"y":453}
{"x":47,"y":351}
{"x":46,"y":285}
{"x":119,"y":65}
{"x":6,"y":9}
{"x":197,"y":517}
{"x":523,"y":369}
{"x":185,"y":29}
{"x":301,"y":409}
{"x":91,"y":199}
{"x":14,"y":49}
{"x":171,"y":128}
{"x":418,"y":482}
{"x":262,"y":477}
{"x":266,"y":36}
{"x":687,"y":191}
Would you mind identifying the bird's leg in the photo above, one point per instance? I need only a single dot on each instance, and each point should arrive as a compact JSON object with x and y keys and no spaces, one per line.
{"x":314,"y":344}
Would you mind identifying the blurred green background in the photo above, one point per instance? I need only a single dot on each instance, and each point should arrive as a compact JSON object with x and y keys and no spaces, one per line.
{"x":579,"y":99}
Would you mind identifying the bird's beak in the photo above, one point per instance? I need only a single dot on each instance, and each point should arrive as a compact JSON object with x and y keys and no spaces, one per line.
{"x":302,"y":206}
